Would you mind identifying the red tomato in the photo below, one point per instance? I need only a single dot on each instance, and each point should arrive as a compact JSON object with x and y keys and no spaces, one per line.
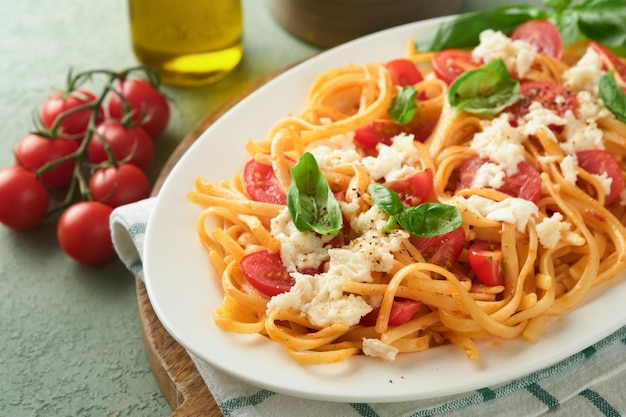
{"x":525,"y":183}
{"x":404,"y":72}
{"x":485,"y":259}
{"x":442,"y":250}
{"x":543,"y":35}
{"x":34,"y":151}
{"x":599,"y":162}
{"x":609,"y":60}
{"x":128,"y":144}
{"x":261,"y":183}
{"x":119,"y":185}
{"x":61,"y":103}
{"x":551,"y":95}
{"x":149,"y":106}
{"x":451,"y":63}
{"x":383,"y":131}
{"x":368,"y":137}
{"x":24,"y":200}
{"x":83,"y":233}
{"x":415,"y":188}
{"x":265,"y":272}
{"x":402,"y":310}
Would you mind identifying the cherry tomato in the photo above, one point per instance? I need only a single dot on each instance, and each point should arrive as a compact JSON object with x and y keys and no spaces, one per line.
{"x":265,"y":272}
{"x":383,"y":131}
{"x":543,"y":35}
{"x":551,"y":95}
{"x":261,"y":183}
{"x":404,"y":72}
{"x":368,"y":137}
{"x":34,"y":151}
{"x":74,"y":124}
{"x":442,"y":250}
{"x":609,"y":60}
{"x":601,"y":162}
{"x":23,"y":200}
{"x":119,"y":185}
{"x":415,"y":188}
{"x":129,"y":144}
{"x":525,"y":183}
{"x":83,"y":233}
{"x":485,"y":259}
{"x":402,"y":310}
{"x":450,"y":63}
{"x":149,"y":106}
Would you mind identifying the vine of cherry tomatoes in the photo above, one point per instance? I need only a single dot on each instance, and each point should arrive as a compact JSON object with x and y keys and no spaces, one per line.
{"x":91,"y":152}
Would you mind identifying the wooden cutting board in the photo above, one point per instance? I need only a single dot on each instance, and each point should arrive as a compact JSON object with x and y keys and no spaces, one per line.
{"x":173,"y":369}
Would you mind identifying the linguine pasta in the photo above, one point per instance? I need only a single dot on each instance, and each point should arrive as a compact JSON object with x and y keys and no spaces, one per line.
{"x":554,"y":248}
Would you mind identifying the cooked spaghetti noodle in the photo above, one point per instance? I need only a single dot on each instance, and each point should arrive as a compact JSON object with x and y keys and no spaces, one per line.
{"x":554,"y":248}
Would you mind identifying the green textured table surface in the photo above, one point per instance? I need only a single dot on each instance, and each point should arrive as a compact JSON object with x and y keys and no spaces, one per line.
{"x":70,"y":342}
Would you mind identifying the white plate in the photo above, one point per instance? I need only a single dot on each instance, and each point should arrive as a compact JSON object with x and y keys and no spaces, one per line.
{"x":184,"y":290}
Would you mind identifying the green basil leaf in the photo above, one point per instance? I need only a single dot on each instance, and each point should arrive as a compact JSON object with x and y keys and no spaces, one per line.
{"x":424,"y":220}
{"x":464,"y":31}
{"x":485,"y":90}
{"x":557,"y":5}
{"x":430,"y":219}
{"x":385,"y":198}
{"x":567,"y":23}
{"x":310,"y":200}
{"x":403,"y":108}
{"x":603,"y":21}
{"x":612,"y":96}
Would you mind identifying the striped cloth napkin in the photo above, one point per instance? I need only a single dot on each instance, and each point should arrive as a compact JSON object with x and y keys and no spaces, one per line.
{"x":589,"y":383}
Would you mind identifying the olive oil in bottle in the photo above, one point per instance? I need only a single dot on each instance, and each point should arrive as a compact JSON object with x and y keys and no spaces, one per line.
{"x":189,"y":42}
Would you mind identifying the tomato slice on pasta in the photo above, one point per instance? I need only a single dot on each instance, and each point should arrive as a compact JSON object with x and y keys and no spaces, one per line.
{"x":543,"y":35}
{"x":402,"y":310}
{"x":525,"y":183}
{"x":442,"y":250}
{"x":551,"y":95}
{"x":404,"y":72}
{"x":265,"y":272}
{"x":485,"y":259}
{"x":450,"y":63}
{"x":261,"y":183}
{"x":601,"y":162}
{"x":414,"y":188}
{"x":368,"y":137}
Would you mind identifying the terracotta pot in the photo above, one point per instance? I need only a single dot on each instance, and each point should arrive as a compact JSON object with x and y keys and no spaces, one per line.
{"x":328,"y":23}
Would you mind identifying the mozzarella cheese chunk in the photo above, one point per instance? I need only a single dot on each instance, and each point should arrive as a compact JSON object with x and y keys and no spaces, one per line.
{"x":517,"y":55}
{"x":394,"y":161}
{"x":550,"y":229}
{"x":585,"y":75}
{"x":378,"y":248}
{"x":512,"y":210}
{"x":581,"y":135}
{"x":500,"y":142}
{"x":376,"y":348}
{"x":298,"y":250}
{"x":336,"y":151}
{"x":321,"y":300}
{"x":591,"y":107}
{"x":568,"y":168}
{"x":540,"y":118}
{"x":605,"y":182}
{"x":489,"y":175}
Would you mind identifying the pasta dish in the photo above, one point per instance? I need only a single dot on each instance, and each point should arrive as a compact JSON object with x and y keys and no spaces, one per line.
{"x":438,"y":198}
